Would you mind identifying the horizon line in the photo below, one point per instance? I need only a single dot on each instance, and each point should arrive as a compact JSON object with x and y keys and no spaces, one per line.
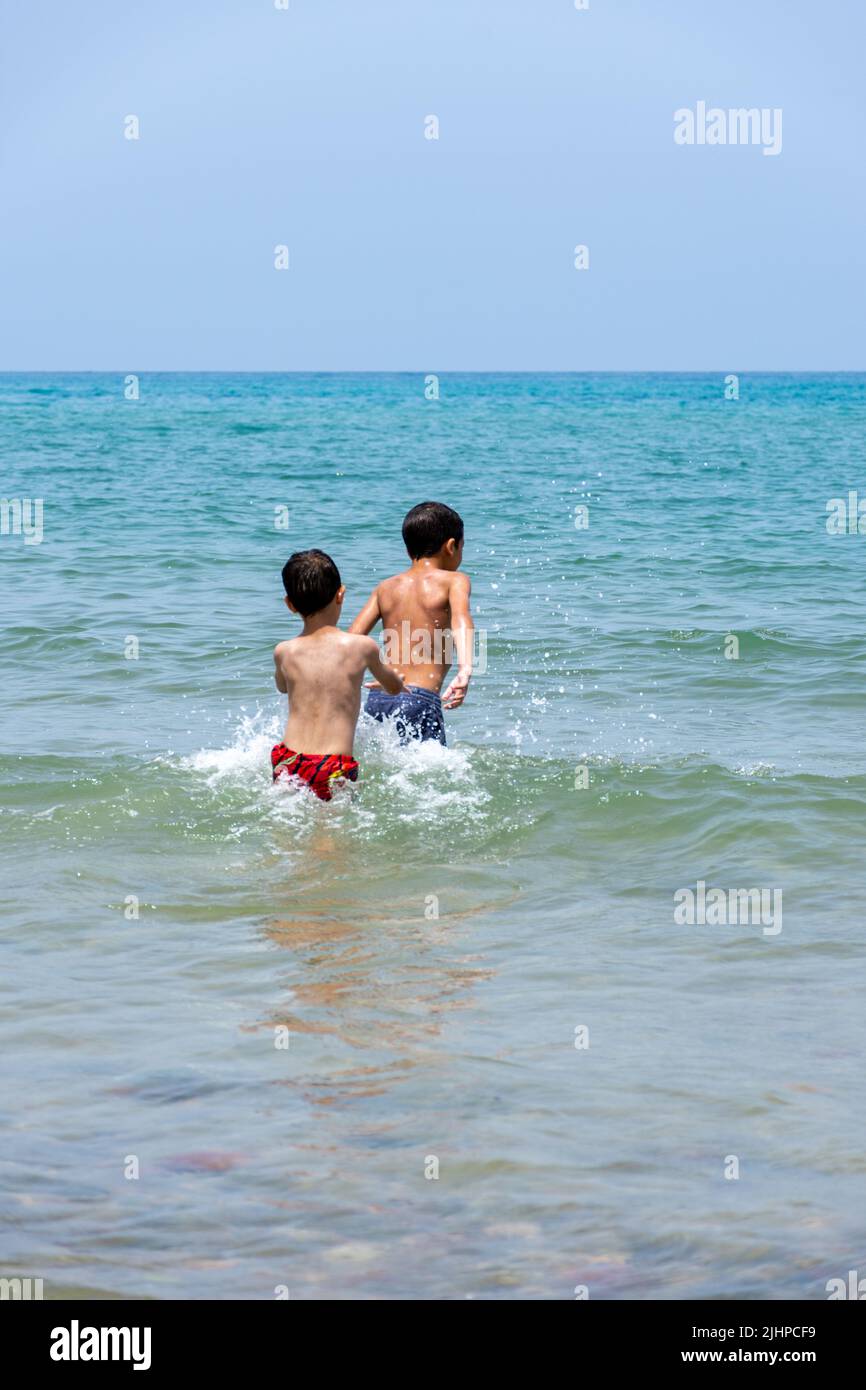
{"x":442,"y":371}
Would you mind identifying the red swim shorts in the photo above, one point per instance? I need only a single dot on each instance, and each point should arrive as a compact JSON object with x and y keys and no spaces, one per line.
{"x":318,"y":770}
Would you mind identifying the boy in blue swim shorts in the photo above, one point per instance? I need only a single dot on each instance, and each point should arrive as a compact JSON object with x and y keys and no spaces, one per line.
{"x":426,"y":623}
{"x":417,"y":713}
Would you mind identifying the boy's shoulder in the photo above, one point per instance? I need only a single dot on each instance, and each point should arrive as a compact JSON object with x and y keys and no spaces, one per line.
{"x":354,"y":649}
{"x":361,"y":643}
{"x":289,"y":647}
{"x":349,"y":642}
{"x":454,"y":582}
{"x":446,"y":577}
{"x":392,"y":579}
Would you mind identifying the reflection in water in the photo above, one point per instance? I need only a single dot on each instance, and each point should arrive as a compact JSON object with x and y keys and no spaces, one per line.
{"x":382,"y":983}
{"x":372,"y":982}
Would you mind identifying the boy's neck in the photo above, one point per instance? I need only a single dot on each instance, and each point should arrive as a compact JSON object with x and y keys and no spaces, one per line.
{"x":326,"y":617}
{"x":428,"y":562}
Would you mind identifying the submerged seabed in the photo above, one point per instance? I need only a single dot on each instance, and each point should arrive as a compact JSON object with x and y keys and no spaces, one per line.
{"x":428,"y":946}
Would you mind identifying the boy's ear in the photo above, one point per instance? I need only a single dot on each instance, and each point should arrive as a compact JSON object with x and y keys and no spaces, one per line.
{"x":288,"y":602}
{"x":341,"y":593}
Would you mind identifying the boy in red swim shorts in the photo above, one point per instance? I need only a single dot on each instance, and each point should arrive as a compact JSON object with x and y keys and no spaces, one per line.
{"x":321,"y":671}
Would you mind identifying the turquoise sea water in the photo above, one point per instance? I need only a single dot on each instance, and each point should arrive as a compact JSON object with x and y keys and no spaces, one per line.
{"x":414,"y":1037}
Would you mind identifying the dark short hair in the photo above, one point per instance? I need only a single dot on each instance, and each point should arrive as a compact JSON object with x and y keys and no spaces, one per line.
{"x":311,"y":580}
{"x":428,"y":526}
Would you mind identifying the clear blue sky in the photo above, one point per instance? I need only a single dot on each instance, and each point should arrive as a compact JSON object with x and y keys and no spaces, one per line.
{"x":305,"y":127}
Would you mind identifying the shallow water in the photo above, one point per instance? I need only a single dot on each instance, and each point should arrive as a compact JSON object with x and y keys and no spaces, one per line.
{"x":414,"y":1036}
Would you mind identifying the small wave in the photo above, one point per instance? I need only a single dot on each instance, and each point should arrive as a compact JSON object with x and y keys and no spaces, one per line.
{"x":420,"y":779}
{"x":247,"y":754}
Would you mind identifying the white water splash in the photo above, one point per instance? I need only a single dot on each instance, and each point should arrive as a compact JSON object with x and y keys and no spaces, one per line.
{"x":420,"y":779}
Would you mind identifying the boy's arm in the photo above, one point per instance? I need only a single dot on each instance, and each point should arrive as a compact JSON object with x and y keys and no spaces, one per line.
{"x":462,"y":629}
{"x":368,"y":616}
{"x":389,"y":679}
{"x":279,"y":678}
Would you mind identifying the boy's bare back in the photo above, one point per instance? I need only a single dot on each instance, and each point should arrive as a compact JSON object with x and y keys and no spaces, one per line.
{"x":424,"y":613}
{"x":423,"y":599}
{"x":322,"y":674}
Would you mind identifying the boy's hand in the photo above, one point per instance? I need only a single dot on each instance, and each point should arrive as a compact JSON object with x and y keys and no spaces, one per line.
{"x":385,"y":675}
{"x":457,"y":690}
{"x":394,"y":685}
